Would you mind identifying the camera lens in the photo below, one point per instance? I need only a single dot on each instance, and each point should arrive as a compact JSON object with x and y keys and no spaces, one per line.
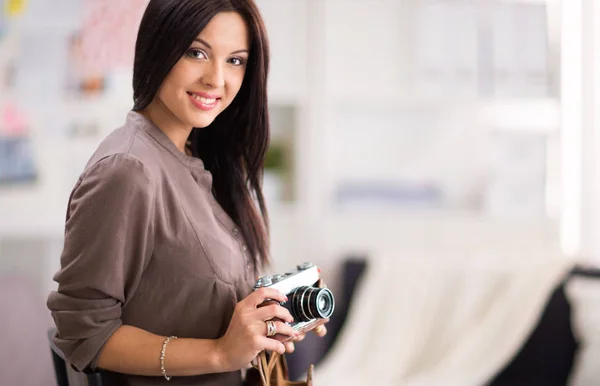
{"x":308,"y":303}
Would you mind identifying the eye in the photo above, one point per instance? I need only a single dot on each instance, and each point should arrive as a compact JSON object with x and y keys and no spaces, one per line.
{"x":196,"y":53}
{"x":237,"y":61}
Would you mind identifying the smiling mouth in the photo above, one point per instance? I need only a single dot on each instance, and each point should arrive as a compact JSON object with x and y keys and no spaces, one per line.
{"x":204,"y":103}
{"x":201,"y":99}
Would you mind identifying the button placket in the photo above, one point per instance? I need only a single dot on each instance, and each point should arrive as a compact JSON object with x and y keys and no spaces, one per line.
{"x":236,"y":233}
{"x":245,"y":254}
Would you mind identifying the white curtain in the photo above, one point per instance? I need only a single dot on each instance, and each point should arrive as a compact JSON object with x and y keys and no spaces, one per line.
{"x":440,"y":322}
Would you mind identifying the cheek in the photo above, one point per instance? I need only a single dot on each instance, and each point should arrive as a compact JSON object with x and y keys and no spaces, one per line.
{"x":176,"y":81}
{"x":166,"y":91}
{"x":235,"y":85}
{"x":168,"y":98}
{"x":171,"y":94}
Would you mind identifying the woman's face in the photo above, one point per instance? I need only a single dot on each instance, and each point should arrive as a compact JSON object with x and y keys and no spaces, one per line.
{"x":209,"y":75}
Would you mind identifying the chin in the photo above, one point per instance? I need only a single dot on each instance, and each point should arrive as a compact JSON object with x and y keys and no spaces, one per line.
{"x":201,"y":122}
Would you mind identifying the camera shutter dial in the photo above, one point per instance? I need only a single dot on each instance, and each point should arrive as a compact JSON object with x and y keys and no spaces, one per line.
{"x":304,"y":266}
{"x":264,"y":281}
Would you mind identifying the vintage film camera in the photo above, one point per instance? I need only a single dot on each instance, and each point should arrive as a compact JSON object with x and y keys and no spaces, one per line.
{"x":309,"y":304}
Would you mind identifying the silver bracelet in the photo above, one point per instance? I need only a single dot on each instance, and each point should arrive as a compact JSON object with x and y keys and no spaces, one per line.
{"x":162,"y":356}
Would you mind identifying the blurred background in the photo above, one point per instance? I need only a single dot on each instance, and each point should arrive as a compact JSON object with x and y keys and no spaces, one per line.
{"x":456,"y":132}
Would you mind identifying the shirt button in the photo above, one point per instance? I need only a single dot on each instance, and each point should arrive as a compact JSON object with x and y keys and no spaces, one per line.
{"x":244,"y":248}
{"x":235,"y":231}
{"x":249,"y":267}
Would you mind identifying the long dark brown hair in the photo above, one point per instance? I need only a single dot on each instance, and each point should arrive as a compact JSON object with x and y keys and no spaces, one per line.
{"x":233,"y":147}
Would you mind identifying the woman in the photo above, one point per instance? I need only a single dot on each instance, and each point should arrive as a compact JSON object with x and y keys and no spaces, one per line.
{"x":163,"y":238}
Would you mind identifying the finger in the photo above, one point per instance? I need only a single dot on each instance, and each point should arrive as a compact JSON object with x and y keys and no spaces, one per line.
{"x":289,"y":347}
{"x":274,"y":311}
{"x":273,"y":345}
{"x":284,"y":329}
{"x":260,"y":295}
{"x":300,"y":337}
{"x":280,"y":329}
{"x":321,"y":331}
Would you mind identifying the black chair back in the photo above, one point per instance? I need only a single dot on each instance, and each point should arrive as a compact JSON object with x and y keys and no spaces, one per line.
{"x":94,"y":378}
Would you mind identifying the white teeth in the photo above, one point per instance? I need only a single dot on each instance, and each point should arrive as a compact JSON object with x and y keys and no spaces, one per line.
{"x":207,"y":101}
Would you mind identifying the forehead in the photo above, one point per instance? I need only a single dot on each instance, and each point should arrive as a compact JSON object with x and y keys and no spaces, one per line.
{"x":226,"y":30}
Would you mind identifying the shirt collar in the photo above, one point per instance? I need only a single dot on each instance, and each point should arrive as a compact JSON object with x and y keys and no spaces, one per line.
{"x":139,"y":120}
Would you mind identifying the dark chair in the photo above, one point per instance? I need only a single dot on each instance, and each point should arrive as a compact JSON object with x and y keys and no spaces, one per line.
{"x":94,"y":378}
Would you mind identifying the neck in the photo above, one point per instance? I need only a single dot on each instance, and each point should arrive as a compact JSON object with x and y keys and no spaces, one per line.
{"x":177,"y":131}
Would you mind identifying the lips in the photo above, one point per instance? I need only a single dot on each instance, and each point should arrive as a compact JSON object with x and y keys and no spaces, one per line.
{"x":203,"y":101}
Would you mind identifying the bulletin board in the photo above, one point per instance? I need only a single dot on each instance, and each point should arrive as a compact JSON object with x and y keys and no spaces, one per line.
{"x":61,"y":60}
{"x":65,"y":83}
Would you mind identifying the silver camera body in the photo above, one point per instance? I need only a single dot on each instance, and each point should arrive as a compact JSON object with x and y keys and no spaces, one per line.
{"x":308,"y":303}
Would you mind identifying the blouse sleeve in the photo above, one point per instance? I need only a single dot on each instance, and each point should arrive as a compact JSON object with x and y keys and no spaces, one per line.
{"x":108,"y":243}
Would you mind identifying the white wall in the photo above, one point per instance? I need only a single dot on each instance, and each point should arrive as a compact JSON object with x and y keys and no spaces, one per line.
{"x":581,"y":127}
{"x":362,"y":88}
{"x":348,"y":68}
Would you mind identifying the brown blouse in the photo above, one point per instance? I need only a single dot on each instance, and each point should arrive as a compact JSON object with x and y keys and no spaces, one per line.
{"x":147,"y":245}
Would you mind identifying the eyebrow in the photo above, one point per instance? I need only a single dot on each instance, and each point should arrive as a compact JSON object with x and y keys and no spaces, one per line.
{"x":210,"y":48}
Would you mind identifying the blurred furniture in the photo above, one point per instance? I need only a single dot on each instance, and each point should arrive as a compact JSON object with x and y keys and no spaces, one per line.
{"x":546,"y":358}
{"x":61,"y":369}
{"x":548,"y":355}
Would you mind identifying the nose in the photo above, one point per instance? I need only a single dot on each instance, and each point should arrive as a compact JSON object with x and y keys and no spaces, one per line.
{"x":213,"y":76}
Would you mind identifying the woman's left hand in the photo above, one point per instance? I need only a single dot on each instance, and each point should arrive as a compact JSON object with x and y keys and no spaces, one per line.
{"x":320,"y":331}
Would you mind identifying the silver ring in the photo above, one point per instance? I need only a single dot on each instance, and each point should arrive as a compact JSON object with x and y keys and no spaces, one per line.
{"x":271,"y":329}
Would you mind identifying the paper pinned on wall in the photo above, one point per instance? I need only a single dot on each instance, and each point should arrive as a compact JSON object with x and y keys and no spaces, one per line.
{"x":16,"y":152}
{"x":15,"y":7}
{"x":108,"y":35}
{"x":13,"y":121}
{"x":16,"y":160}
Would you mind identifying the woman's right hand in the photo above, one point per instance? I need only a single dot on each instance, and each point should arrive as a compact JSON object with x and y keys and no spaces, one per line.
{"x":246,"y":335}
